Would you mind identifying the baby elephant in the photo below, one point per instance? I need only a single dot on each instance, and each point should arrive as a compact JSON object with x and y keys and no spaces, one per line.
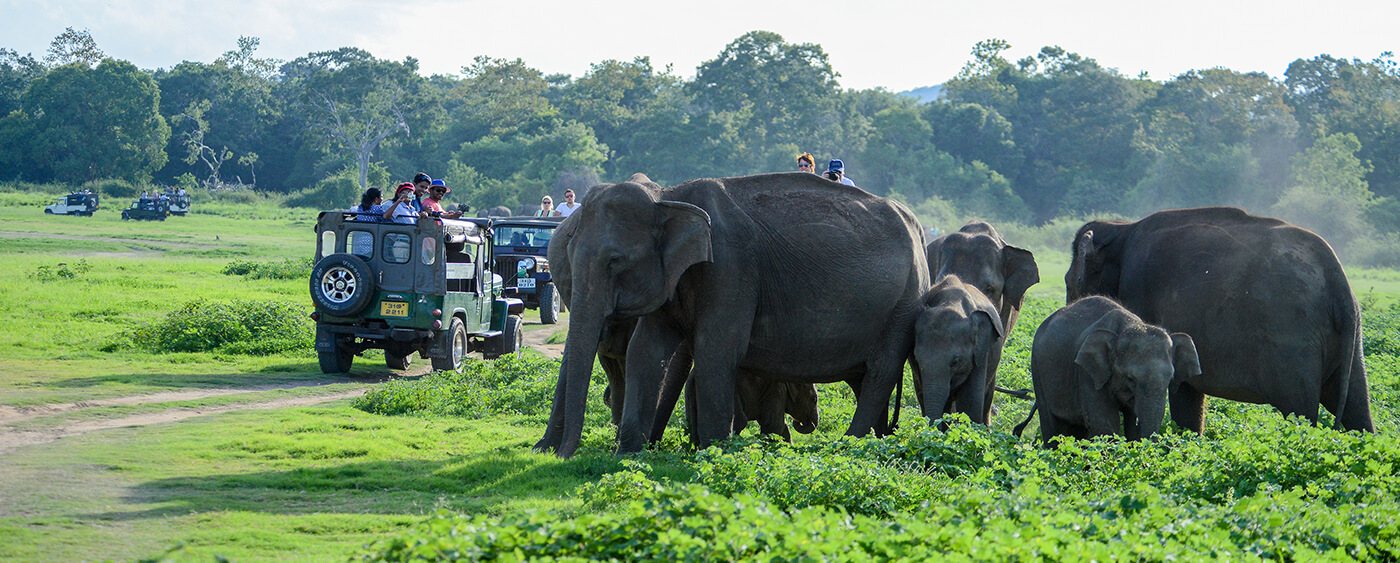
{"x":957,"y":337}
{"x":1099,"y":370}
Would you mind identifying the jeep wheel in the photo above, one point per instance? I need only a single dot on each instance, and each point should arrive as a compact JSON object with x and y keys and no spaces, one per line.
{"x":337,"y":361}
{"x":341,"y":284}
{"x":395,"y":361}
{"x":126,"y":216}
{"x":515,"y":335}
{"x":549,"y":304}
{"x":456,"y":348}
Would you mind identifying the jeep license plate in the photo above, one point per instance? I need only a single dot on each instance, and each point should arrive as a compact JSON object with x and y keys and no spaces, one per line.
{"x":525,"y":283}
{"x":393,"y":309}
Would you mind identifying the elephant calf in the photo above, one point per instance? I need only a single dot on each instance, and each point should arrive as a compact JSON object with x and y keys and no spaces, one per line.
{"x":957,"y":340}
{"x":1099,"y":370}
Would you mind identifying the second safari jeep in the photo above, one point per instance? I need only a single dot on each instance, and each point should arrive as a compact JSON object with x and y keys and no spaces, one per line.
{"x":424,"y":287}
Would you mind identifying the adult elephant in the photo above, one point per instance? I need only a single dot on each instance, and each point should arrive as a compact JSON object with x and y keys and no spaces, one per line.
{"x":764,"y":401}
{"x":1266,"y":302}
{"x":786,"y":276}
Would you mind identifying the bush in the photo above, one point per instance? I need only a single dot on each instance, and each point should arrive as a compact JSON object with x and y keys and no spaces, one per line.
{"x":115,"y":188}
{"x":289,"y":269}
{"x":508,"y":385}
{"x":239,"y":327}
{"x":62,"y":271}
{"x":1382,"y":251}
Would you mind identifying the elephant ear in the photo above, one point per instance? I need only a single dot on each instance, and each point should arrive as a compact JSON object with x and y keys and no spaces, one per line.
{"x":1095,"y":356}
{"x":1185,"y":363}
{"x":986,"y":314}
{"x":686,"y":239}
{"x":558,"y":256}
{"x":1020,"y":273}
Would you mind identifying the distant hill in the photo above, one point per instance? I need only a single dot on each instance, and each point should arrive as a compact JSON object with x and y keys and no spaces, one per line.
{"x":925,"y":94}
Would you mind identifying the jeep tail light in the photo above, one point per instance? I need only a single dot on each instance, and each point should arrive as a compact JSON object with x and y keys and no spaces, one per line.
{"x":437,"y":313}
{"x":315,"y":316}
{"x":437,"y":324}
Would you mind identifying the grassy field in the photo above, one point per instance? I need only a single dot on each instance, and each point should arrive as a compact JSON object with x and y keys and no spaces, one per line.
{"x":113,"y":448}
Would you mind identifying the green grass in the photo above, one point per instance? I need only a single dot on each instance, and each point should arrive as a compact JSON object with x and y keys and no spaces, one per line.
{"x":321,"y":482}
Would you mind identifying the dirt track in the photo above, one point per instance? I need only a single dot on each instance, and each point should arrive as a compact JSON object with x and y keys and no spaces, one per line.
{"x":11,"y":438}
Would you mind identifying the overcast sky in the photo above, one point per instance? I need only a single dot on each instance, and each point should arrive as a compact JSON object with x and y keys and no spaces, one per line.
{"x":896,"y":45}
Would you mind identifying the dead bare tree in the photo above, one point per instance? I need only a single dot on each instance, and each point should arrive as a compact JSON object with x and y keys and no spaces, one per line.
{"x":360,"y":128}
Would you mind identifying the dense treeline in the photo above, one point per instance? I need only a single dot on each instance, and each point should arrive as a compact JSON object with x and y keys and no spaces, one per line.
{"x":1050,"y":135}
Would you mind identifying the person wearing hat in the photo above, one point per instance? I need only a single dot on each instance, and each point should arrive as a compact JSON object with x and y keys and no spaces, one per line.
{"x":433,"y":205}
{"x":402,"y":209}
{"x":836,"y":172}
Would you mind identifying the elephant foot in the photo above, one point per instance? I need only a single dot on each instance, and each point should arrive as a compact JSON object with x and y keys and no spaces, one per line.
{"x":630,"y":443}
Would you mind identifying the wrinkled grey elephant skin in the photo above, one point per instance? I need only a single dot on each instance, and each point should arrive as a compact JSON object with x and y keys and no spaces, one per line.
{"x":764,"y":401}
{"x":1272,"y":315}
{"x":1099,"y":370}
{"x":957,"y":337}
{"x":775,"y":275}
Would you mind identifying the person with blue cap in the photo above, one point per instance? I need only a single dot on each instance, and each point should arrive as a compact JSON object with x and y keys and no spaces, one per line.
{"x":836,"y":172}
{"x":433,"y":205}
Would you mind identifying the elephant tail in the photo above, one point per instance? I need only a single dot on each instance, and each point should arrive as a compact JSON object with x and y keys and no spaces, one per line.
{"x":1022,"y":394}
{"x":898,"y":398}
{"x":1022,"y":426}
{"x":1349,"y":369}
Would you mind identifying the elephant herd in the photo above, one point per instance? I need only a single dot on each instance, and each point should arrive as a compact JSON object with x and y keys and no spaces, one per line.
{"x":743,"y":293}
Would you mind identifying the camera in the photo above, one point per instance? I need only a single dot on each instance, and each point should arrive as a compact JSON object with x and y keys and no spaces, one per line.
{"x":833,"y":175}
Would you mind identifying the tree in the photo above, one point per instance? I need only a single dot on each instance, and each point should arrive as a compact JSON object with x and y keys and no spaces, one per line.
{"x":1353,"y":96}
{"x":91,"y":123}
{"x":74,"y":47}
{"x":777,"y":92}
{"x":1329,"y":194}
{"x":354,"y":102}
{"x":238,"y":109}
{"x":16,"y":73}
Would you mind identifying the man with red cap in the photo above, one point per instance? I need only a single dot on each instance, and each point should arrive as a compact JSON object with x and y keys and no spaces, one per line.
{"x":433,"y":205}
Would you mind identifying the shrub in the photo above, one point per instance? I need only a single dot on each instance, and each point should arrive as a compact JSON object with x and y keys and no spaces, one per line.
{"x":508,"y":385}
{"x":114,"y":188}
{"x":239,"y":327}
{"x":289,"y":269}
{"x":63,"y":271}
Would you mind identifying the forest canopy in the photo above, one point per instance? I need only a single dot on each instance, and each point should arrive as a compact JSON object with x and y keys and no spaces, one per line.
{"x":1051,"y":135}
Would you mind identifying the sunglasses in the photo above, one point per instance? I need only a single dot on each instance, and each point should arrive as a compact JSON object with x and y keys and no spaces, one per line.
{"x":438,"y":190}
{"x":803,"y":165}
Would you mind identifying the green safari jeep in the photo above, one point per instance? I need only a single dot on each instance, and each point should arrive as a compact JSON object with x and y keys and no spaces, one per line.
{"x":424,"y":287}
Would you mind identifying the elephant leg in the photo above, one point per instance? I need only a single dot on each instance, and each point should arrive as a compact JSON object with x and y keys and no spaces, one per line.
{"x":677,"y":373}
{"x":1188,"y":408}
{"x":883,"y":372}
{"x":718,"y":346}
{"x":616,"y":369}
{"x":652,"y":344}
{"x":1103,"y":418}
{"x":554,"y":430}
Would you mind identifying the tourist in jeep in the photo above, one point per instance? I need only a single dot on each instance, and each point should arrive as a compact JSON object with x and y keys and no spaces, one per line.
{"x":433,"y":205}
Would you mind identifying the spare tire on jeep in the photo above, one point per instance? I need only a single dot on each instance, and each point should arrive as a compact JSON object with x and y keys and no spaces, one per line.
{"x":341,"y":284}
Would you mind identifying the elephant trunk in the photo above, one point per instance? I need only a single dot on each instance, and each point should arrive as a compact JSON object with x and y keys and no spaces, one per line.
{"x":1150,"y":409}
{"x":585,"y":330}
{"x":936,"y":391}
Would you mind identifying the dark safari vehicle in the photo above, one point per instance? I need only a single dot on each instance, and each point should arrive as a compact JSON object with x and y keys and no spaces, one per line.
{"x":79,"y":204}
{"x":521,"y":246}
{"x":147,"y":209}
{"x":425,"y":287}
